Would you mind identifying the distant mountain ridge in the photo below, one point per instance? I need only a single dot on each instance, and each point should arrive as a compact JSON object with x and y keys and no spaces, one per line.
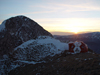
{"x":16,"y":30}
{"x":92,"y":35}
{"x":91,"y":39}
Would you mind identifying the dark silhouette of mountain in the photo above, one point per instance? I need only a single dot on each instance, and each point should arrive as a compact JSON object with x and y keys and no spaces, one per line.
{"x":91,"y":39}
{"x":17,"y":30}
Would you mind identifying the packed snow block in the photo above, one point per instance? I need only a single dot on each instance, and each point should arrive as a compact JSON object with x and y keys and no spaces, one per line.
{"x":78,"y":47}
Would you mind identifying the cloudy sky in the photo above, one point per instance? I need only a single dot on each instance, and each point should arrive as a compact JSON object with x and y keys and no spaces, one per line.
{"x":56,"y":16}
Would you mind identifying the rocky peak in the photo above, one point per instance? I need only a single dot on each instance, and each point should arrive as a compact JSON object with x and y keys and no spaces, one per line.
{"x":23,"y":27}
{"x":17,"y":30}
{"x":18,"y":21}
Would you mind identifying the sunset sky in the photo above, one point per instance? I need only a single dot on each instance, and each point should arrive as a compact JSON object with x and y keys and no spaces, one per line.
{"x":56,"y":16}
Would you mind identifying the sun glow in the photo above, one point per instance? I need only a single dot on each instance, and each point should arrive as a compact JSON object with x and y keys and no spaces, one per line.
{"x":75,"y":30}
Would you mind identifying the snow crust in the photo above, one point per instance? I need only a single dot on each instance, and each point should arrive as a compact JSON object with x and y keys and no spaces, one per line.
{"x":2,"y":26}
{"x":24,"y":45}
{"x":29,"y":62}
{"x":39,"y":48}
{"x":47,"y":40}
{"x":57,"y":43}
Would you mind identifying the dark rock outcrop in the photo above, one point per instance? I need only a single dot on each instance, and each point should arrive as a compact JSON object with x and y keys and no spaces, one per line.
{"x":17,"y":30}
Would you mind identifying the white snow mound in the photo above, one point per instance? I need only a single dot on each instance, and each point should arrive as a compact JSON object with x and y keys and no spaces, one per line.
{"x":39,"y":48}
{"x":57,"y":43}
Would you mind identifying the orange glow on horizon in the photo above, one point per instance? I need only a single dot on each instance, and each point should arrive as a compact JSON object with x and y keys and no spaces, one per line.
{"x":75,"y":30}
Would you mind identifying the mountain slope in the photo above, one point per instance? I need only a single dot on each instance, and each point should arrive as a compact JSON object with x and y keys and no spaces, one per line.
{"x":32,"y":52}
{"x":17,"y":30}
{"x":64,"y":64}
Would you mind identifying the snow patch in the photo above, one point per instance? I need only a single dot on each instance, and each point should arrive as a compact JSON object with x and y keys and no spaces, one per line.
{"x":39,"y":48}
{"x":57,"y":43}
{"x":24,"y":44}
{"x":29,"y":62}
{"x":48,"y":40}
{"x":85,"y":59}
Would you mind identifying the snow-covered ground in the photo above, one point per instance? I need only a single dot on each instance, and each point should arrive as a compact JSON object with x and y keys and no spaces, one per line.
{"x":39,"y":48}
{"x":31,"y":52}
{"x":59,"y":45}
{"x":46,"y":40}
